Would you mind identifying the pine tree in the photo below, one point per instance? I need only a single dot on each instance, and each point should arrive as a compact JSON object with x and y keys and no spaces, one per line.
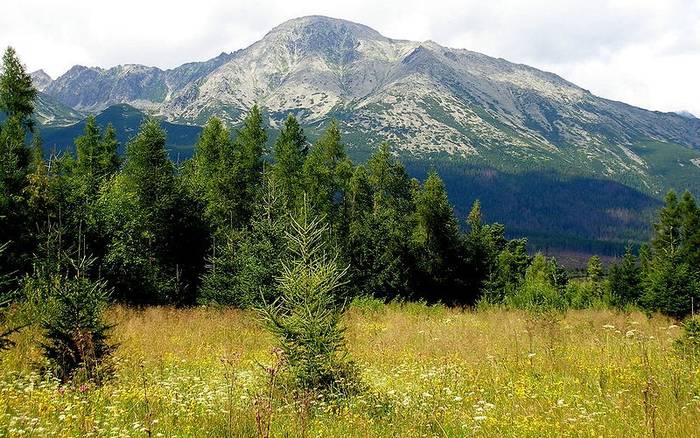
{"x":290,"y":153}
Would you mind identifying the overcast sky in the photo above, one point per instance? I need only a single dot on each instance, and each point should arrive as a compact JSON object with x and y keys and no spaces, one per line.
{"x":644,"y":52}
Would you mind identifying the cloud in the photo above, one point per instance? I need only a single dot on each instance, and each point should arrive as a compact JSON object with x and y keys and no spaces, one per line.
{"x":644,"y":52}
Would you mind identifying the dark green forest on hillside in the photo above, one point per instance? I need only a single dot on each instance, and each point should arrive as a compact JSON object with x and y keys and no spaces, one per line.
{"x":211,"y":229}
{"x":543,"y":205}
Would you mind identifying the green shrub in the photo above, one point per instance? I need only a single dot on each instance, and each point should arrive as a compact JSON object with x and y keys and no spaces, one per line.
{"x":367,"y":304}
{"x":540,"y":288}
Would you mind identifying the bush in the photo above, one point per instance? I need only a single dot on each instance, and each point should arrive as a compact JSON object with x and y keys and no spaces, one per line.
{"x":367,"y":304}
{"x":76,"y":334}
{"x":540,"y":288}
{"x":306,"y":317}
{"x":689,"y":342}
{"x":584,"y":294}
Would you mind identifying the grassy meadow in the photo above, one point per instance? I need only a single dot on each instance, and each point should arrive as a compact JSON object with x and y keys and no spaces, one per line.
{"x":428,"y":371}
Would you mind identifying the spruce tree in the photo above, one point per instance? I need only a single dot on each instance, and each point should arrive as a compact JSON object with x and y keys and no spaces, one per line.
{"x":155,"y":253}
{"x":327,"y":170}
{"x":17,"y":94}
{"x":213,"y":178}
{"x":250,"y":143}
{"x":670,"y":281}
{"x":508,"y":273}
{"x":290,"y":153}
{"x":541,"y":287}
{"x":5,"y":299}
{"x":440,"y":244}
{"x":482,"y":245}
{"x":690,"y":230}
{"x":306,"y":318}
{"x":625,"y":280}
{"x":379,"y":241}
{"x":76,"y":334}
{"x":109,"y":160}
{"x":88,"y":151}
{"x":243,"y":268}
{"x":667,"y":230}
{"x":17,"y":102}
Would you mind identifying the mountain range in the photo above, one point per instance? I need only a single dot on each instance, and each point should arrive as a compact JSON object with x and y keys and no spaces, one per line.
{"x":473,"y":117}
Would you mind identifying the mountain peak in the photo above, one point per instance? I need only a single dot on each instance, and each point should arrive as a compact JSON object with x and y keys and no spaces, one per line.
{"x":40,"y":79}
{"x":311,"y":24}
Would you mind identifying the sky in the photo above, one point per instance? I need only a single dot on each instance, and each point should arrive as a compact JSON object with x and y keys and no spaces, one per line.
{"x":643,"y":52}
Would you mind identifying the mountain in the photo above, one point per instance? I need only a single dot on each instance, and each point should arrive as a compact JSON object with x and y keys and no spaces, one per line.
{"x":686,"y":114}
{"x":41,"y":79}
{"x":478,"y":120}
{"x":50,"y":112}
{"x":424,"y":98}
{"x":94,"y":89}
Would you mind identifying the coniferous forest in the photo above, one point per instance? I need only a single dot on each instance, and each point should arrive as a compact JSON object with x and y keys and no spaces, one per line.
{"x":296,"y":233}
{"x":211,"y":229}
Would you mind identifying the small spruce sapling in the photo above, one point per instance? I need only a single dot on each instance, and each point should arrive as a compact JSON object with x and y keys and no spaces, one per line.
{"x":76,"y":335}
{"x":306,"y":317}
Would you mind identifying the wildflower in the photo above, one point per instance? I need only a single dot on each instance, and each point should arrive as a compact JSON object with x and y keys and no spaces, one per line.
{"x":458,"y":398}
{"x":609,"y":326}
{"x":480,"y":418}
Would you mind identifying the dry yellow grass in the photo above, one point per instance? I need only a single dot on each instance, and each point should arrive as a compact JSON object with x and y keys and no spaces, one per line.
{"x":430,"y":371}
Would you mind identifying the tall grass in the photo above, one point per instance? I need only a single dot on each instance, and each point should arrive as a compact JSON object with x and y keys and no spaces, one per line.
{"x":431,"y":371}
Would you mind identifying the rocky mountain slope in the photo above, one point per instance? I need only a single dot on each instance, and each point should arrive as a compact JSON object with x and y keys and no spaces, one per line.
{"x":94,"y":89}
{"x":422,"y":97}
{"x":548,"y":158}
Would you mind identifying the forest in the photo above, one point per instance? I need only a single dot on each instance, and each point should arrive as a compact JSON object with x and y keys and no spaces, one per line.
{"x":296,"y":234}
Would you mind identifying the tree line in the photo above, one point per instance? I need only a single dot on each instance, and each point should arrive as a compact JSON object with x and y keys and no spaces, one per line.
{"x":211,"y":230}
